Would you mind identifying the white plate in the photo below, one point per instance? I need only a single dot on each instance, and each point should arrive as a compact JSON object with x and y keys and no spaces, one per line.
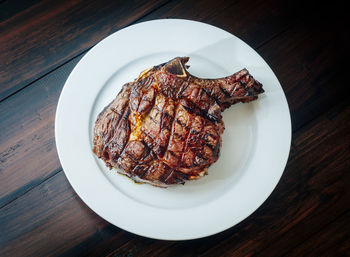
{"x":255,"y":147}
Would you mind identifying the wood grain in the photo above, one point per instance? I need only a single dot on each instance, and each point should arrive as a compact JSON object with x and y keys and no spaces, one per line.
{"x":28,"y":153}
{"x":50,"y":33}
{"x":332,"y":240}
{"x":11,"y":8}
{"x":27,"y":224}
{"x":314,"y":74}
{"x":254,"y":25}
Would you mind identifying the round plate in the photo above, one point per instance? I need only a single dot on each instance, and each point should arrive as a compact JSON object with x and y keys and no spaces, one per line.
{"x":256,"y":140}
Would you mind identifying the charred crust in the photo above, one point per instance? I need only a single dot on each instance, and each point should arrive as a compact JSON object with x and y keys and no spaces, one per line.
{"x":176,"y":140}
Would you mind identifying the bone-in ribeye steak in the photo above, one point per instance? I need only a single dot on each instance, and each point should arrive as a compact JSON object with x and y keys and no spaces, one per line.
{"x":165,"y":127}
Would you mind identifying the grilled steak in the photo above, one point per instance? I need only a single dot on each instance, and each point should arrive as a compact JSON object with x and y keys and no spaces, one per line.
{"x":165,"y":127}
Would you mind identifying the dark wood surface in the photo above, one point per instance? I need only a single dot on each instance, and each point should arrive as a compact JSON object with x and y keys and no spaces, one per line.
{"x":306,"y":45}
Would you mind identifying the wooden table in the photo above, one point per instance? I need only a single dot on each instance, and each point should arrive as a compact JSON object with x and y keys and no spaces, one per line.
{"x":307,"y":47}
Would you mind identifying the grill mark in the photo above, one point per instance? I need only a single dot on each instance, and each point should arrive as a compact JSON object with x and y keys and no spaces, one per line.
{"x":245,"y":82}
{"x":203,"y":112}
{"x":145,"y":153}
{"x":181,"y":123}
{"x":170,"y":174}
{"x":143,"y":171}
{"x":172,"y":127}
{"x":146,"y":100}
{"x":115,"y":125}
{"x":227,"y":94}
{"x":212,"y":96}
{"x":201,"y":156}
{"x":127,"y":141}
{"x":106,"y":155}
{"x":163,"y":111}
{"x":215,"y":136}
{"x":249,"y":86}
{"x":192,"y":108}
{"x":205,"y":90}
{"x":115,"y":111}
{"x":143,"y":131}
{"x":161,"y":125}
{"x":156,"y":107}
{"x":183,"y":87}
{"x":239,"y":83}
{"x":149,"y":80}
{"x":126,"y":114}
{"x":210,"y":146}
{"x":132,"y":158}
{"x":153,"y":101}
{"x":136,"y":162}
{"x":121,"y":153}
{"x":162,"y":115}
{"x":159,"y":149}
{"x":242,"y":73}
{"x":173,"y":154}
{"x":107,"y":138}
{"x":168,"y":115}
{"x":154,"y":164}
{"x":193,"y":131}
{"x":187,"y":137}
{"x":179,"y":136}
{"x":149,"y":169}
{"x":149,"y":117}
{"x":138,"y":94}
